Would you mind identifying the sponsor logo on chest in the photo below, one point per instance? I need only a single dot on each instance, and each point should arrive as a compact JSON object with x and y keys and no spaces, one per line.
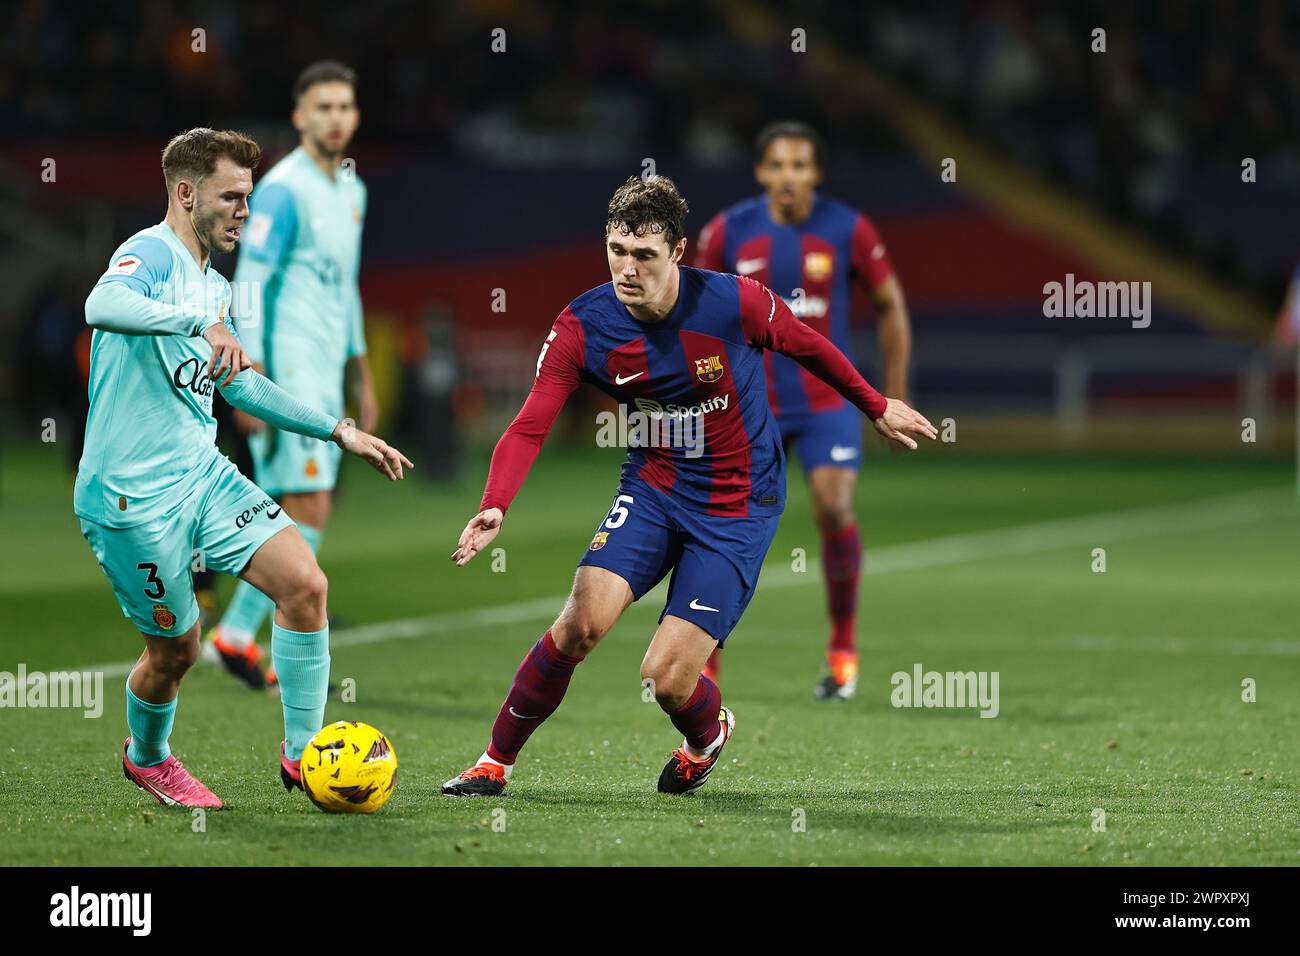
{"x":657,"y":410}
{"x":191,"y":375}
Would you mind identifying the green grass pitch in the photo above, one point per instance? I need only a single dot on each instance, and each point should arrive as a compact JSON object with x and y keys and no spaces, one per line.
{"x":1119,"y":691}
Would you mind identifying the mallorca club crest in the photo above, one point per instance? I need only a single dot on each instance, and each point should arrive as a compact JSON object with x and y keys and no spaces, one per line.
{"x":163,"y":617}
{"x":709,"y":369}
{"x":599,"y":540}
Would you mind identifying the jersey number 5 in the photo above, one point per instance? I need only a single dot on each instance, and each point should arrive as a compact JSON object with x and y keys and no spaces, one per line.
{"x":618,"y":514}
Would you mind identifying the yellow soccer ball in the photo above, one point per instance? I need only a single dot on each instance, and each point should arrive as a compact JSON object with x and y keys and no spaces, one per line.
{"x":349,"y":767}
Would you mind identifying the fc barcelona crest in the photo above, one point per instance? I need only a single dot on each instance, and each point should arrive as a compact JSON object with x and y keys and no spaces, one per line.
{"x":709,"y":369}
{"x":163,"y":617}
{"x":599,"y":540}
{"x":817,"y":266}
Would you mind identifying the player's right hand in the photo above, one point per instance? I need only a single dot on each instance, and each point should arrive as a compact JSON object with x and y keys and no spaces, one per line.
{"x":226,"y":353}
{"x":904,"y":425}
{"x":478,"y":534}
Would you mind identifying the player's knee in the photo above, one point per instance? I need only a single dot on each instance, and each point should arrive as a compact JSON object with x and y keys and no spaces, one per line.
{"x":833,"y":516}
{"x":671,"y":682}
{"x":174,"y":659}
{"x":305,"y":591}
{"x":575,"y":634}
{"x":313,"y":588}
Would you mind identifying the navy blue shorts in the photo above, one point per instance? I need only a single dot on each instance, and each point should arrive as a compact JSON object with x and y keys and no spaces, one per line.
{"x":825,"y":438}
{"x":715,"y":561}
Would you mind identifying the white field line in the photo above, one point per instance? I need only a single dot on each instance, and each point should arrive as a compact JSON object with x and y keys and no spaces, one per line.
{"x":1113,"y":644}
{"x":1098,"y":530}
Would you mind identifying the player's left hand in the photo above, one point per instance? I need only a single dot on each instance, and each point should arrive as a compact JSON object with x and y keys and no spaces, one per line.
{"x":478,"y":534}
{"x":904,"y":425}
{"x":383,"y":457}
{"x":888,"y":444}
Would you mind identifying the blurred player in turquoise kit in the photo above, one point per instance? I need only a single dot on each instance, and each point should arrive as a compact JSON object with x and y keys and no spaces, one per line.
{"x":297,"y":278}
{"x":153,"y":492}
{"x":811,"y":249}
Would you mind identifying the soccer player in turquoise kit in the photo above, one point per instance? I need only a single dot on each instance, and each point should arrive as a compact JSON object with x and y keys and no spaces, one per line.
{"x":152,"y":490}
{"x":811,"y":249}
{"x":298,"y":267}
{"x":680,"y":345}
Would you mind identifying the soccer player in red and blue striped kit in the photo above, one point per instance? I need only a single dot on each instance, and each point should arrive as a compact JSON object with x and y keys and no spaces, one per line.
{"x":810,"y":249}
{"x":684,"y":347}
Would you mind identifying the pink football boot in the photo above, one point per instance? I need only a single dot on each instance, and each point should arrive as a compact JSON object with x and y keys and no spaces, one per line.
{"x":290,"y":770}
{"x":170,"y":783}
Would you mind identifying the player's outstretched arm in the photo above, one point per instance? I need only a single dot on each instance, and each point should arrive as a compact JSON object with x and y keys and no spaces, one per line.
{"x":558,"y":368}
{"x":512,"y":458}
{"x":478,"y":534}
{"x":259,"y":396}
{"x":114,"y":306}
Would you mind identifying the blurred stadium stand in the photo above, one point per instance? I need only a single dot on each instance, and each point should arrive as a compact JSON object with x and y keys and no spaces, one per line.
{"x":491,"y":171}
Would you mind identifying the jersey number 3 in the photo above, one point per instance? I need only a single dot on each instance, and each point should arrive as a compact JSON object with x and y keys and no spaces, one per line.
{"x":152,"y":579}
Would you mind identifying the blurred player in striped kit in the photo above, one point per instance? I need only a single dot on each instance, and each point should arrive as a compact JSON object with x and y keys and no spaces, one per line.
{"x":302,"y":324}
{"x":810,"y":249}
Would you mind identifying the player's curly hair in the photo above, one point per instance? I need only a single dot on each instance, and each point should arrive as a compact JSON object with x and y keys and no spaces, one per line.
{"x":193,"y":154}
{"x":650,"y":205}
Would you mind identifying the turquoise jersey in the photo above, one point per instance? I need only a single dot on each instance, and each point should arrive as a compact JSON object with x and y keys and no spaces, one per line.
{"x":297,"y":302}
{"x":150,"y":426}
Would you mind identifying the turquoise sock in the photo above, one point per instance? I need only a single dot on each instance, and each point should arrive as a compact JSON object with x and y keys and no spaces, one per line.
{"x":302,"y":666}
{"x":151,"y":725}
{"x":249,"y":607}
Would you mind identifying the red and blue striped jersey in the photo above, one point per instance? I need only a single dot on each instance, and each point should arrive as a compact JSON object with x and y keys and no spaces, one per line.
{"x":821,"y":256}
{"x":703,"y":362}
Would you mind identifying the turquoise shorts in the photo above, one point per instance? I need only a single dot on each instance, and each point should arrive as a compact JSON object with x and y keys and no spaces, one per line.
{"x":284,"y":462}
{"x":219,"y":524}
